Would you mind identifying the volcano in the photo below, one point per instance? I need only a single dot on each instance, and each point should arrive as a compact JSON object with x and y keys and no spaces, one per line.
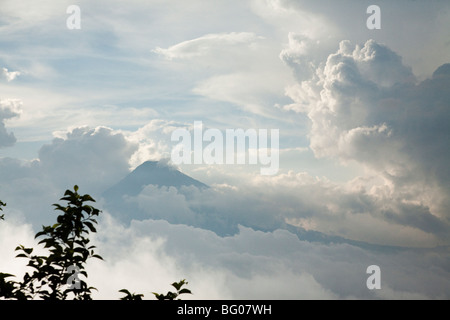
{"x":150,"y":173}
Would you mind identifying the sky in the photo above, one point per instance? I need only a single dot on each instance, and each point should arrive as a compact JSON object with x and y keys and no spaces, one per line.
{"x":363,"y":149}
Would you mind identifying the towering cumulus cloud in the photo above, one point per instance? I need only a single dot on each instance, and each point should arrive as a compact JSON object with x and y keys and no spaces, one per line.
{"x":95,"y":157}
{"x":366,"y":106}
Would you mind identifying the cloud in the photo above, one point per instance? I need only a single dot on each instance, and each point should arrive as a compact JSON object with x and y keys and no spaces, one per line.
{"x":170,"y":237}
{"x":216,"y":268}
{"x":256,"y":265}
{"x":240,"y":68}
{"x":294,"y":55}
{"x":9,"y":75}
{"x":254,"y":97}
{"x":288,"y":16}
{"x":328,"y":22}
{"x":12,"y":233}
{"x":148,"y":255}
{"x":92,"y":157}
{"x":82,"y":155}
{"x":362,"y":210}
{"x":206,"y":45}
{"x":153,"y":141}
{"x":365,"y":105}
{"x":9,"y":108}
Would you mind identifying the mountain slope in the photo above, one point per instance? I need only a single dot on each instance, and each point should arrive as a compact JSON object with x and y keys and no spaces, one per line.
{"x":120,"y":202}
{"x":150,"y":173}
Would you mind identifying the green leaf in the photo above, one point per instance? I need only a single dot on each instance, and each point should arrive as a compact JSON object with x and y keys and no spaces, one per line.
{"x":185,"y":291}
{"x":125,"y":291}
{"x":177,"y":285}
{"x":40,"y":233}
{"x":87,"y":197}
{"x":158,"y":296}
{"x":90,"y":226}
{"x":66,"y":245}
{"x":130,"y":296}
{"x":5,"y":275}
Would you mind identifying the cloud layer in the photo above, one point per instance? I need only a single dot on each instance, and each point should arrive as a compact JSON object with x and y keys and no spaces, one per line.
{"x":97,"y":102}
{"x":149,"y":255}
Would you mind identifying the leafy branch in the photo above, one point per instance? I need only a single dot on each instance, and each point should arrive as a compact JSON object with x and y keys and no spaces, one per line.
{"x":68,"y":249}
{"x":55,"y":275}
{"x":168,"y":296}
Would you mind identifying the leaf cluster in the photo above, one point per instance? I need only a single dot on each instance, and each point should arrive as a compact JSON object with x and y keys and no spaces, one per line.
{"x":68,"y":247}
{"x":2,"y":216}
{"x":168,"y":296}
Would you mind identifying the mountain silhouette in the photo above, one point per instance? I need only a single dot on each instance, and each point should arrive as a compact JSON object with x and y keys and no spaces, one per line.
{"x":150,"y":173}
{"x":120,"y":200}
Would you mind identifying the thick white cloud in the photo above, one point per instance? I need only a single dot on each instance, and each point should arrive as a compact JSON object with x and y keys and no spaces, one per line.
{"x":255,"y":265}
{"x":294,"y":55}
{"x":365,"y":105}
{"x":153,"y":141}
{"x":93,"y":159}
{"x":9,"y":108}
{"x":88,"y":157}
{"x":364,"y":209}
{"x":363,"y":102}
{"x":148,"y":255}
{"x":328,"y":22}
{"x":27,"y":191}
{"x":14,"y":232}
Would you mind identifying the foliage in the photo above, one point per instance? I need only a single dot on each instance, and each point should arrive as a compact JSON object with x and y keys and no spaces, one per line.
{"x":172,"y":295}
{"x":131,"y":296}
{"x":2,"y":216}
{"x":68,"y":248}
{"x":55,"y":275}
{"x":169,"y":296}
